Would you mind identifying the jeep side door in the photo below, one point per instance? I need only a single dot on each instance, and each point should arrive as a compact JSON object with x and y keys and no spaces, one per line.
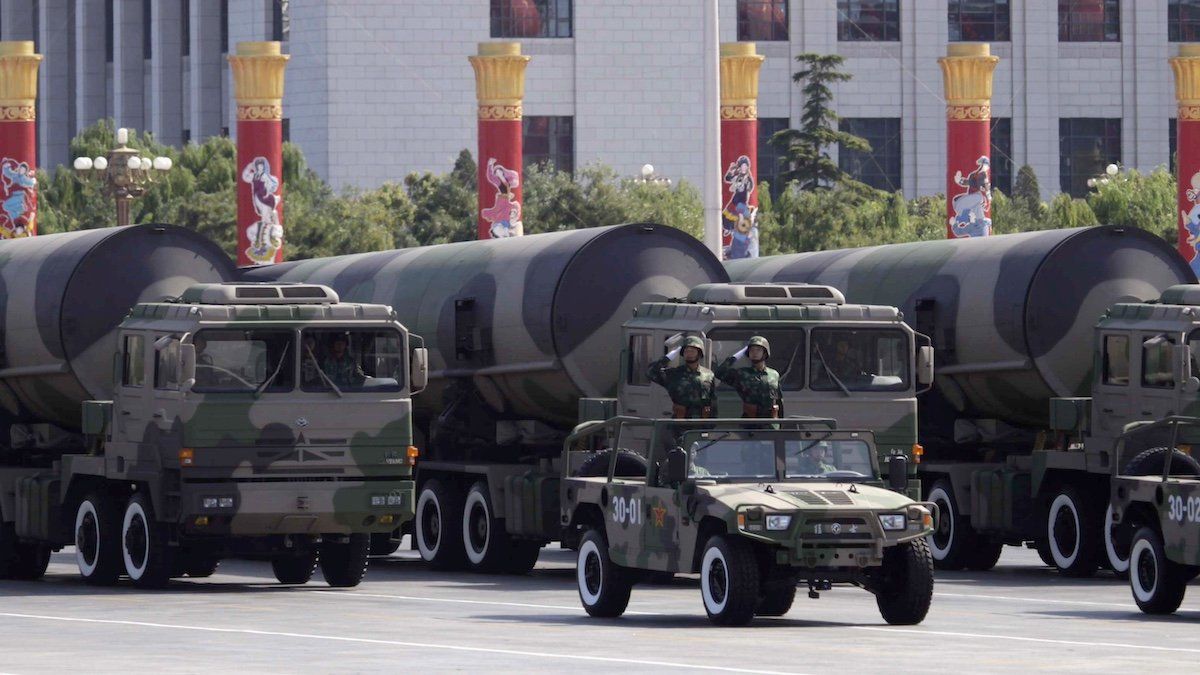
{"x":625,"y":497}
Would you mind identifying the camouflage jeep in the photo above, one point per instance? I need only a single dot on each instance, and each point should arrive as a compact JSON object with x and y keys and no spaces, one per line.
{"x":755,"y":507}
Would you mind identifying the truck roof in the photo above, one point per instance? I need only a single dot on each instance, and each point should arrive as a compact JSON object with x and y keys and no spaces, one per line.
{"x":181,"y":316}
{"x":1150,"y":316}
{"x":659,"y":312}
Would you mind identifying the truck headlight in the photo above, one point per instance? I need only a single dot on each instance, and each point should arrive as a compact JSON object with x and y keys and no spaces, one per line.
{"x":778,"y":522}
{"x":892,"y":521}
{"x":216,"y":502}
{"x":378,"y":500}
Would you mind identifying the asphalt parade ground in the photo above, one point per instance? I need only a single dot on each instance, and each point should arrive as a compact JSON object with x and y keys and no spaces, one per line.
{"x":1019,"y":617}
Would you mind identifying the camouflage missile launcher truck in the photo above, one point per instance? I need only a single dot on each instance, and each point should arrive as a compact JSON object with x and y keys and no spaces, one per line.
{"x":520,"y":330}
{"x":755,"y":508}
{"x":215,"y":419}
{"x":1030,"y":392}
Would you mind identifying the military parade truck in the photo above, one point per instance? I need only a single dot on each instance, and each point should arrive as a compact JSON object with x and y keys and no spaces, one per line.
{"x":755,"y":508}
{"x":1030,"y":393}
{"x":520,"y":330}
{"x":216,"y":419}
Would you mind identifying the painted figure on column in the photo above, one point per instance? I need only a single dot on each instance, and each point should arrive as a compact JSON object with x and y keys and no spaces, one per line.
{"x":1191,"y":221}
{"x":739,"y":217}
{"x":18,"y":199}
{"x":971,"y":207}
{"x":266,"y":234}
{"x":505,"y":212}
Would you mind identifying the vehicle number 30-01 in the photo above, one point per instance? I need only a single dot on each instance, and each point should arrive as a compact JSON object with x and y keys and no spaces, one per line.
{"x":627,"y":510}
{"x":1184,"y":509}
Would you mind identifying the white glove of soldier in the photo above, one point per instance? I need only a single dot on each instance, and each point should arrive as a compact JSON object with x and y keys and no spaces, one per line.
{"x":674,"y":353}
{"x":741,"y":352}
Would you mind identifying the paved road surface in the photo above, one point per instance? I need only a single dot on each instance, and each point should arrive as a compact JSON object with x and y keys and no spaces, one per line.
{"x":1021,"y":616}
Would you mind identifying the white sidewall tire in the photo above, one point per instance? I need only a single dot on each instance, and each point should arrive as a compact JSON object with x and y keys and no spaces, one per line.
{"x":711,"y":555}
{"x":1120,"y":566}
{"x":938,"y":495}
{"x":1143,"y":547}
{"x":589,"y":548}
{"x":475,"y":499}
{"x":134,"y":570}
{"x":1063,"y":501}
{"x":86,"y":507}
{"x":428,"y":500}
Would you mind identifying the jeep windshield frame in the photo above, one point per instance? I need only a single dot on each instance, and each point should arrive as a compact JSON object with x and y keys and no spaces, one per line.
{"x":780,"y":455}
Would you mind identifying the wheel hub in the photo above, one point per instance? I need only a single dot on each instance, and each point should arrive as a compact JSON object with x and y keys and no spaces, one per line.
{"x":135,"y":540}
{"x":432,"y":527}
{"x":1065,"y":532}
{"x":479,"y":529}
{"x":592,"y":573}
{"x":717,"y":582}
{"x":1146,"y":572}
{"x":86,"y":538}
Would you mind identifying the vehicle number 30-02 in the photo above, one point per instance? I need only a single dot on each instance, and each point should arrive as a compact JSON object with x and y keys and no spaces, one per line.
{"x":627,"y":510}
{"x":1184,"y":509}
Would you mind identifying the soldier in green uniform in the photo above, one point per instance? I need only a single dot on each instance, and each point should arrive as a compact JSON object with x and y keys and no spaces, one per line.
{"x":757,"y":384}
{"x":692,"y":386}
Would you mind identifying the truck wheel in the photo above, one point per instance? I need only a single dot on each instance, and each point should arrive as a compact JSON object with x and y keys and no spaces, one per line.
{"x":1158,"y":584}
{"x":777,"y":598}
{"x":729,"y":581}
{"x":1043,"y":550}
{"x":487,"y":545}
{"x":985,"y":555}
{"x":604,"y":586}
{"x":148,"y":557}
{"x":344,"y":564}
{"x":1074,"y":530}
{"x":953,"y":540}
{"x":201,"y":567}
{"x":906,"y":583}
{"x":438,"y":525}
{"x":1117,"y":538}
{"x":522,"y":556}
{"x":31,"y":562}
{"x":97,"y":540}
{"x":385,"y":543}
{"x":293,"y":568}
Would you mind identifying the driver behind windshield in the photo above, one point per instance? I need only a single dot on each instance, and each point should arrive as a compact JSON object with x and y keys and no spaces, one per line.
{"x":340,"y":366}
{"x":814,"y":460}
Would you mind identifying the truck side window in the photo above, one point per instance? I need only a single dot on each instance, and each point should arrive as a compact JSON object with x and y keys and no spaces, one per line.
{"x":133,"y":370}
{"x":641,"y":353}
{"x":166,"y":366}
{"x":1156,"y":362}
{"x":1116,"y":360}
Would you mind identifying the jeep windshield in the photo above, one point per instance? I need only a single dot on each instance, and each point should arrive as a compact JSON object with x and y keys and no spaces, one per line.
{"x":772,"y":455}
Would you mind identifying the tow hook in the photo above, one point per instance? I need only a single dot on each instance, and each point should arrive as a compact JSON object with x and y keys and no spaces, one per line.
{"x":814,"y":587}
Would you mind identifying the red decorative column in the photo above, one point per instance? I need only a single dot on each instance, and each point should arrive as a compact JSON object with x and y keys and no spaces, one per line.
{"x":1187,"y":147}
{"x":18,"y":139}
{"x":258,"y":87}
{"x":740,"y":65}
{"x":500,"y":87}
{"x":967,"y":76}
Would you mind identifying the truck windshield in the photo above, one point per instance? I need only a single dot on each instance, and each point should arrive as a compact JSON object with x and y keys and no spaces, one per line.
{"x":859,"y":359}
{"x":351,"y":359}
{"x":821,"y":459}
{"x":733,"y":458}
{"x":244,"y":360}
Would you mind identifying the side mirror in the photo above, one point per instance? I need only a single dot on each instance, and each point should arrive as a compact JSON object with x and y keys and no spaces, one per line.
{"x":925,"y":365}
{"x":898,"y":473}
{"x":187,"y":366}
{"x":418,"y":370}
{"x":1191,"y":385}
{"x":1181,"y":363}
{"x":675,"y":468}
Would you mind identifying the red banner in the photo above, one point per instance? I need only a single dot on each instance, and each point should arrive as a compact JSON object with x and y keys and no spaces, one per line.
{"x":18,"y":179}
{"x":260,"y":192}
{"x":1188,"y":174}
{"x":968,"y":173}
{"x":739,"y":184}
{"x":500,"y":174}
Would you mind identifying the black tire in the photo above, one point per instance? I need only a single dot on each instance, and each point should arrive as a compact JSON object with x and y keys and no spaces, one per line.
{"x":629,"y":465}
{"x":1150,"y":463}
{"x":777,"y":598}
{"x":31,"y":562}
{"x":201,"y":567}
{"x":1043,"y":550}
{"x":1158,"y":584}
{"x":485,"y":542}
{"x":604,"y":587}
{"x":145,"y":550}
{"x":954,"y":540}
{"x":385,"y":543}
{"x":98,"y":540}
{"x":729,"y":581}
{"x":1075,"y":532}
{"x":985,"y":555}
{"x":522,"y":556}
{"x":905,"y":586}
{"x":438,"y":526}
{"x":344,"y":564}
{"x":294,"y":568}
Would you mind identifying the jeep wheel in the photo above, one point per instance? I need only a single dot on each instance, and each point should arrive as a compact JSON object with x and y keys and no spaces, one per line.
{"x":385,"y":543}
{"x":201,"y":566}
{"x":984,"y":555}
{"x":1158,"y":584}
{"x":604,"y":587}
{"x":344,"y":564}
{"x":905,"y":584}
{"x":438,"y":527}
{"x":144,"y":548}
{"x":294,"y":568}
{"x":729,"y":581}
{"x":777,"y":598}
{"x":1074,"y":530}
{"x":21,"y":560}
{"x":953,"y":542}
{"x":97,"y":540}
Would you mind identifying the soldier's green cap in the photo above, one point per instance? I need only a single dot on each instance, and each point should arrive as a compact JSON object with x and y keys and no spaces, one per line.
{"x":693,"y":341}
{"x":760,"y":341}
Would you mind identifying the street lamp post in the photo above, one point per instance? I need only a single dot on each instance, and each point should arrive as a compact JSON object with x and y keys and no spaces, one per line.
{"x":124,"y":173}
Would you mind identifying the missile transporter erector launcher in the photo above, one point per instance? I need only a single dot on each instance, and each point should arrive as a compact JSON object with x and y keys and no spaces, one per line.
{"x":160,"y":417}
{"x":1015,"y":451}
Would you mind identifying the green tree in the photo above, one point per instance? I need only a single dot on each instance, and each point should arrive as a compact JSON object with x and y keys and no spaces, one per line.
{"x":1026,"y":190}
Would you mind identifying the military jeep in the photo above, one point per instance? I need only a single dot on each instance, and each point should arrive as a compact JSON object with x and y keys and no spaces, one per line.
{"x":756,"y":507}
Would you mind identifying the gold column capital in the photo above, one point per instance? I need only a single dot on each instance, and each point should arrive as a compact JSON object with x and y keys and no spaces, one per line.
{"x":740,"y":66}
{"x":18,"y":81}
{"x":499,"y":79}
{"x":258,"y":80}
{"x":967,"y":77}
{"x":1186,"y":67}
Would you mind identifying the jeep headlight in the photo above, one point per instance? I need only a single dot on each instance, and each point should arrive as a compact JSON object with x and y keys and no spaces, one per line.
{"x":778,"y":522}
{"x":893,"y":521}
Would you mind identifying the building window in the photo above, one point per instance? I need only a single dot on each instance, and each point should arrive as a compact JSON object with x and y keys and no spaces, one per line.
{"x":286,"y":129}
{"x":108,"y":31}
{"x":549,"y":139}
{"x":879,"y":168}
{"x":1172,"y":141}
{"x":1089,"y":21}
{"x":531,"y":18}
{"x":979,"y":20}
{"x":187,"y":136}
{"x":768,"y":155}
{"x":869,"y":20}
{"x":762,"y":20}
{"x":185,"y":28}
{"x":224,"y":21}
{"x":281,"y":22}
{"x":1183,"y":20}
{"x":1002,"y":164}
{"x":1086,"y":146}
{"x":147,"y":30}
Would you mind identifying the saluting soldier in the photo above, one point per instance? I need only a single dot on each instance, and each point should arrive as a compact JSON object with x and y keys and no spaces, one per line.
{"x":757,"y":384}
{"x":692,"y":386}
